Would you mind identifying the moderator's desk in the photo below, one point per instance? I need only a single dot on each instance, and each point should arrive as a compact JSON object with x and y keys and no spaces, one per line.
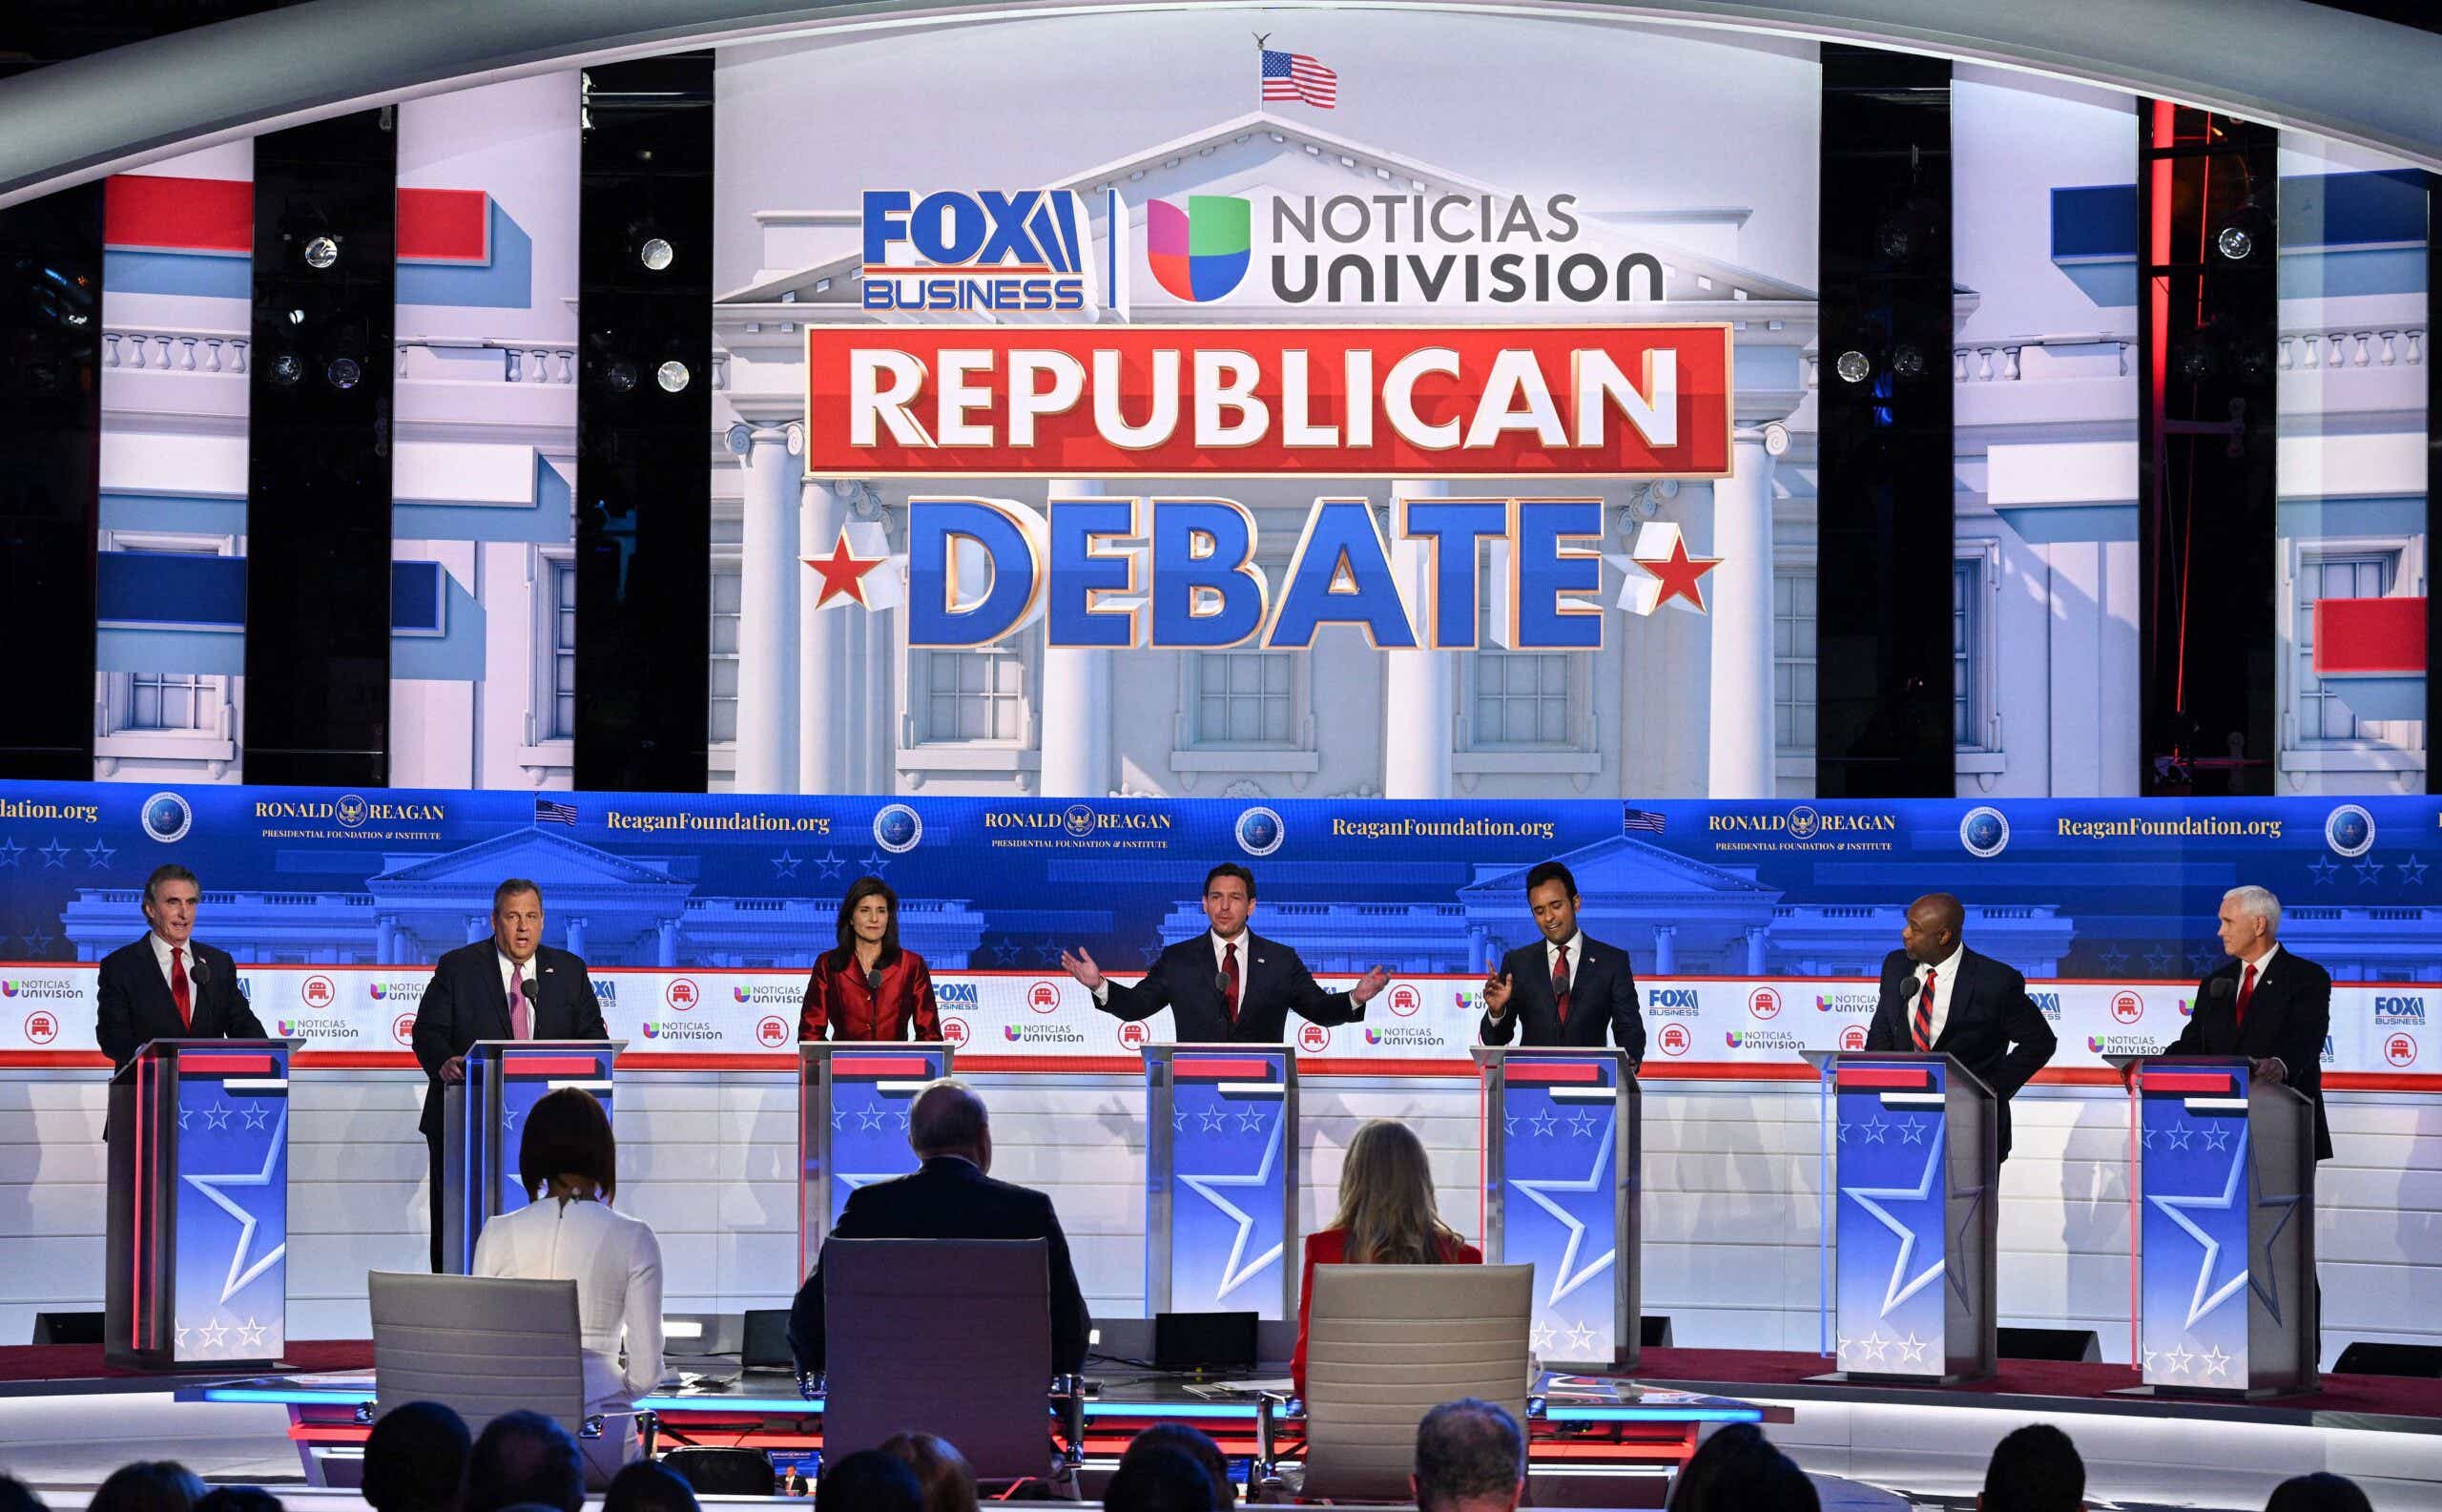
{"x":1645,"y":1430}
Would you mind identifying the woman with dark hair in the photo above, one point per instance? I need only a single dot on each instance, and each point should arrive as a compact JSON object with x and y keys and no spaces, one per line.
{"x":1387,"y":1217}
{"x":1737,"y":1468}
{"x":868,"y":989}
{"x":567,"y":1160}
{"x":947,"y":1478}
{"x":148,"y":1486}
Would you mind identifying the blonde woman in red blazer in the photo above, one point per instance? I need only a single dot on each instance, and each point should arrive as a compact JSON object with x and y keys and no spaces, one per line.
{"x":1387,"y":1217}
{"x":868,"y":989}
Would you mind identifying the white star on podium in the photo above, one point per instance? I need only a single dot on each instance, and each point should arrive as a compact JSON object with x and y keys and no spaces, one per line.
{"x":239,"y":1272}
{"x":1232,"y":1276}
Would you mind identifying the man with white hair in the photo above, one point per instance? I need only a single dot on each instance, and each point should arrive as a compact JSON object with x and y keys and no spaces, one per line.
{"x":2264,"y":1003}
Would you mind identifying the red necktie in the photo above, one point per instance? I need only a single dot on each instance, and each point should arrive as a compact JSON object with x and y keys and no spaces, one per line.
{"x":521,"y":1017}
{"x":179,"y":986}
{"x":1924,"y":1025}
{"x":1560,"y":983}
{"x":2247,"y":990}
{"x":1229,"y":982}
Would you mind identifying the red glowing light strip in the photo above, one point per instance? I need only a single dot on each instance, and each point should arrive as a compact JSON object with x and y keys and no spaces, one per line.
{"x":2190,"y":1082}
{"x":1515,"y":1072}
{"x":1202,"y":1069}
{"x":881,"y":1066}
{"x":551,"y":1064}
{"x":1894,"y":1078}
{"x":223,"y":1065}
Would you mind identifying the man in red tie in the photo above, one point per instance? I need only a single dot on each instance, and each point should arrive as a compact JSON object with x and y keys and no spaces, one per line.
{"x":1228,"y":983}
{"x":168,"y":986}
{"x":2264,"y":1003}
{"x":1565,"y":989}
{"x":1939,"y":995}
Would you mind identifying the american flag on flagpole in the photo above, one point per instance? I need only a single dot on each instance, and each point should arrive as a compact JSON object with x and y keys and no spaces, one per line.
{"x":1295,"y":77}
{"x":1636,"y":821}
{"x":550,"y":811}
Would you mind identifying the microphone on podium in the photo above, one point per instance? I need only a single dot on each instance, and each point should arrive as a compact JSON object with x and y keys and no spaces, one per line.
{"x":199,"y":974}
{"x":2221,"y":987}
{"x":1221,"y":983}
{"x":873,"y":980}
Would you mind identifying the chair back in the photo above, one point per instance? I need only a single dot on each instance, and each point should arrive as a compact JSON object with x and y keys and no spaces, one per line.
{"x":478,"y":1345}
{"x":951,"y":1336}
{"x":1387,"y":1343}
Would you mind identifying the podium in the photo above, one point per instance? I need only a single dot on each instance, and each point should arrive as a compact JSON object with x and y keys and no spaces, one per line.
{"x":197,"y":1269}
{"x":1564,"y":1136}
{"x":853,"y":1102}
{"x":1221,"y":1179}
{"x":2223,"y":1216}
{"x":1909,"y":1256}
{"x":482,"y":1117}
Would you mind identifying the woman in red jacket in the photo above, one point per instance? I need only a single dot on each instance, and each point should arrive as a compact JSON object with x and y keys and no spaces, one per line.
{"x":1387,"y":1217}
{"x":869,"y":988}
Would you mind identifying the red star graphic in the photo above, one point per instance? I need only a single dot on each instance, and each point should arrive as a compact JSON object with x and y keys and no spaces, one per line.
{"x":1679,"y":574}
{"x":842,"y":572}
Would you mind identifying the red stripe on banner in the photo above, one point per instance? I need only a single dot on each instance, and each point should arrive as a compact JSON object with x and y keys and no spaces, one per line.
{"x":881,"y":1066}
{"x":1897,"y":1078}
{"x":2370,"y":637}
{"x":445,"y":225}
{"x":152,"y":212}
{"x":1545,"y":1071}
{"x":221,"y":1065}
{"x":551,"y":1064}
{"x":1204,"y":1069}
{"x":2187,"y":1081}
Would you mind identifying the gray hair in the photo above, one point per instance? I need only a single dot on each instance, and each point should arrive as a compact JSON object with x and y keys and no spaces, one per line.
{"x":948,"y":1119}
{"x":1467,"y":1450}
{"x":2257,"y":903}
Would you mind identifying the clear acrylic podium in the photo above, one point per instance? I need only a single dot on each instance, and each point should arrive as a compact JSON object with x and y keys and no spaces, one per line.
{"x":1221,"y":1179}
{"x":853,"y":1102}
{"x":1563,"y":1150}
{"x":2221,"y":1219}
{"x":196,"y":1268}
{"x":1912,"y":1142}
{"x":482,"y":1117}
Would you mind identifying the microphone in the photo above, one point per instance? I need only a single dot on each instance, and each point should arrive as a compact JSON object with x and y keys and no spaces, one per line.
{"x":1221,"y":983}
{"x":2221,"y":987}
{"x":199,"y":974}
{"x":873,"y":980}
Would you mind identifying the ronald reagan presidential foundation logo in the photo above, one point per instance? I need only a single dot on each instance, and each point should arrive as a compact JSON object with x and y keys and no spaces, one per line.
{"x":1260,"y":831}
{"x":1985,"y":832}
{"x":898,"y":829}
{"x":167,"y":818}
{"x":2349,"y":831}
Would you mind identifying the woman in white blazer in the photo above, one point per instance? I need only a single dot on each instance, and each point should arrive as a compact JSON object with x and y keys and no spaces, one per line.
{"x":567,"y":1161}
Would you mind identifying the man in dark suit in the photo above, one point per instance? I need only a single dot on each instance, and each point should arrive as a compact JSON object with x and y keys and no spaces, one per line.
{"x":1565,"y":989}
{"x":511,"y":986}
{"x":168,"y":986}
{"x":2264,"y":1004}
{"x":1939,"y":995}
{"x":1228,"y":983}
{"x":951,"y":1197}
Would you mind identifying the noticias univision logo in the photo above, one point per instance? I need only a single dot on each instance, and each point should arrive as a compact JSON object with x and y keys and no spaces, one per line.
{"x":1199,"y":254}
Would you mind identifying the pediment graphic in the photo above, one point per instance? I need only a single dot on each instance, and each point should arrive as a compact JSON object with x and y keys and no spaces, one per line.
{"x":551,"y":860}
{"x":1624,"y":869}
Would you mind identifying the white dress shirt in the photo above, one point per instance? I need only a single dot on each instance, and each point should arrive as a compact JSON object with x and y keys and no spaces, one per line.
{"x":1575,"y":945}
{"x":509,"y":967}
{"x":615,"y":1262}
{"x":161,"y":953}
{"x":1945,"y":982}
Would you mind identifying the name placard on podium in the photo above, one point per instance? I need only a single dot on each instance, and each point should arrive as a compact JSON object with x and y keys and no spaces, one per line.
{"x":1563,"y":1156}
{"x":1221,"y":1179}
{"x":1912,"y":1161}
{"x":853,"y":1102}
{"x":484,"y":1117}
{"x":197,"y":1270}
{"x":2224,"y":1220}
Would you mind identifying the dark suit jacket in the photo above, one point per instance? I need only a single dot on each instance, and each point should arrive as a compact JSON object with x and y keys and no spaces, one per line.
{"x":1993,"y":1029}
{"x":466,"y":1002}
{"x":949,"y":1199}
{"x":1601,"y":998}
{"x":135,"y":1007}
{"x":1272,"y":984}
{"x":2287,"y":1019}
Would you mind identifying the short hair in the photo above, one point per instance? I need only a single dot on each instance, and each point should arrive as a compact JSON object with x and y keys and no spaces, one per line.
{"x":2034,"y":1469}
{"x":238,"y":1498}
{"x":148,"y":1485}
{"x":868,"y":1481}
{"x":1159,"y":1480}
{"x":947,"y":1478}
{"x":947,"y":1118}
{"x":169,"y":872}
{"x":1550,"y":872}
{"x":1187,"y":1438}
{"x":863,"y":888}
{"x":2256,"y":902}
{"x":1231,"y":869}
{"x":510,"y":888}
{"x":2320,"y":1492}
{"x":415,"y":1458}
{"x":1465,"y":1450}
{"x":567,"y":1135}
{"x":1737,"y":1467}
{"x":16,"y":1496}
{"x":649,"y":1485}
{"x":523,"y":1457}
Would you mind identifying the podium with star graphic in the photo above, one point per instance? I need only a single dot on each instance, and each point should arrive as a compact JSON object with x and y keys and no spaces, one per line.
{"x":1564,"y":1152}
{"x":1912,"y":1149}
{"x":1221,"y":1179}
{"x":197,"y":1270}
{"x":482,"y":1117}
{"x":853,"y":1102}
{"x":2222,"y":1211}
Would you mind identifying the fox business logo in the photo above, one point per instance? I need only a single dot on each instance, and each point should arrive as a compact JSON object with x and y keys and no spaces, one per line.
{"x":1671,"y":1002}
{"x":955,"y":995}
{"x":987,"y":249}
{"x":2047,"y":1003}
{"x":2390,"y":1012}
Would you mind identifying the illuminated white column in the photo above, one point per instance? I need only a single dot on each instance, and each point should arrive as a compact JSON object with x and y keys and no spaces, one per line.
{"x":1073,"y":711}
{"x":1739,"y":597}
{"x":1666,"y":949}
{"x":767,"y":618}
{"x":1418,"y":687}
{"x":825,"y":687}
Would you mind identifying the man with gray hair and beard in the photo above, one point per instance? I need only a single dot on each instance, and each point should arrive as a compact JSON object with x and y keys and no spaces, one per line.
{"x":2264,"y":1004}
{"x":1469,"y":1458}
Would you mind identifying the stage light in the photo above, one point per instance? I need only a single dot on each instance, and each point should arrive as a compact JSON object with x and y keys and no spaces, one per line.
{"x":287,"y":369}
{"x":672,"y":376}
{"x":1853,"y":366}
{"x":2249,"y":227}
{"x":322,"y":252}
{"x":655,"y":254}
{"x":344,"y":372}
{"x":1908,"y":363}
{"x":296,"y":317}
{"x":621,"y":375}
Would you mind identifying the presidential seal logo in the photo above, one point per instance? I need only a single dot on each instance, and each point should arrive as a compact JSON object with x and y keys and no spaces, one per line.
{"x":167,"y":818}
{"x":1985,"y":832}
{"x":1804,"y":821}
{"x":351,"y":811}
{"x":2349,"y":831}
{"x":1260,"y":832}
{"x":898,"y":828}
{"x":1078,"y":820}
